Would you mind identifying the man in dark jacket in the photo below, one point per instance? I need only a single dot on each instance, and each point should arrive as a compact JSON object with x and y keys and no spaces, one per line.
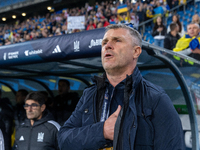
{"x":65,"y":102}
{"x":39,"y":131}
{"x":122,"y":110}
{"x":19,"y":111}
{"x":172,"y":37}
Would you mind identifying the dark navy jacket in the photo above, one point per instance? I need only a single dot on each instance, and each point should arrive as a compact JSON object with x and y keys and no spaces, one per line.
{"x":151,"y":122}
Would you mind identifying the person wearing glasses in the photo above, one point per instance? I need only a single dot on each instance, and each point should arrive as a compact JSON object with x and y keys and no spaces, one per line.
{"x":38,"y":131}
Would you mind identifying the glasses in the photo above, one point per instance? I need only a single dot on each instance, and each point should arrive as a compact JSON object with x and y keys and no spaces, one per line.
{"x":33,"y":106}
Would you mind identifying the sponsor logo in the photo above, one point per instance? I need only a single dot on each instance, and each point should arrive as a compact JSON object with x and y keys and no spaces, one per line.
{"x":26,"y":52}
{"x":40,"y":137}
{"x":4,"y":56}
{"x":57,"y":50}
{"x":11,"y":55}
{"x":21,"y":138}
{"x":76,"y":46}
{"x":96,"y":42}
{"x":33,"y":52}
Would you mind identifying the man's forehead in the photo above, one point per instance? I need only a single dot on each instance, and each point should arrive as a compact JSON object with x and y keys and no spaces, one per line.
{"x":120,"y":32}
{"x":30,"y":101}
{"x":193,"y":26}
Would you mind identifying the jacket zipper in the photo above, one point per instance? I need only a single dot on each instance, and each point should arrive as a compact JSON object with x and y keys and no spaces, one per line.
{"x":129,"y":138}
{"x":130,"y":132}
{"x":30,"y":138}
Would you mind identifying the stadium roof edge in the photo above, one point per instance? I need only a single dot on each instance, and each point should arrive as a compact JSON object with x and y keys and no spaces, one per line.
{"x":20,"y":5}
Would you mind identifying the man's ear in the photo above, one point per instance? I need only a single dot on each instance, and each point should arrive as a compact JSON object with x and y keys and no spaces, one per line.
{"x":137,"y":51}
{"x":43,"y":107}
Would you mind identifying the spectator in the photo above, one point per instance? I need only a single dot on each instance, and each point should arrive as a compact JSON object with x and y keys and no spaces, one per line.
{"x":58,"y":32}
{"x":64,"y":29}
{"x":140,"y":12}
{"x":159,"y":32}
{"x":158,"y":10}
{"x":175,"y":3}
{"x":19,"y":112}
{"x":104,"y":21}
{"x":149,"y":12}
{"x":196,"y":19}
{"x":112,"y":19}
{"x":172,"y":37}
{"x":124,"y":18}
{"x":189,"y":43}
{"x":91,"y":25}
{"x":39,"y":131}
{"x":100,"y":25}
{"x":175,"y":19}
{"x":7,"y":41}
{"x":134,"y":20}
{"x":65,"y":102}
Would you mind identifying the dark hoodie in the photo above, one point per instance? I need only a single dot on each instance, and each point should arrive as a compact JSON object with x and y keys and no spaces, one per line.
{"x":41,"y":136}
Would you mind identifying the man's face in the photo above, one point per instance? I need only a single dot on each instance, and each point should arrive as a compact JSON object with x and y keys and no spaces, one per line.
{"x":195,"y":19}
{"x":62,"y":88}
{"x":19,"y":98}
{"x":117,"y":49}
{"x":193,"y":30}
{"x":34,"y":112}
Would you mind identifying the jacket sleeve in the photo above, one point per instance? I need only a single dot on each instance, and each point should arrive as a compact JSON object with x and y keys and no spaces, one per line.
{"x":167,"y":126}
{"x":155,"y":33}
{"x":79,"y":131}
{"x":164,"y":31}
{"x":167,"y":44}
{"x":54,"y":134}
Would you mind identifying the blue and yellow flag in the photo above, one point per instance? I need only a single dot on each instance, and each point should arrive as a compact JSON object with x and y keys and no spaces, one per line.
{"x":122,"y":9}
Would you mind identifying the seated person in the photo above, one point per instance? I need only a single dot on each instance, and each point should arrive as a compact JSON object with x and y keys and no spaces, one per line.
{"x":65,"y":102}
{"x":19,"y":111}
{"x":189,"y":43}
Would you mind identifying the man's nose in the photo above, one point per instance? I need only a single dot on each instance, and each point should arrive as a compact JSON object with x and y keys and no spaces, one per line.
{"x":109,"y":45}
{"x":29,"y":108}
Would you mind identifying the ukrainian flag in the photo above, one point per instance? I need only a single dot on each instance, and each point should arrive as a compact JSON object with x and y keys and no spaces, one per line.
{"x":122,"y":9}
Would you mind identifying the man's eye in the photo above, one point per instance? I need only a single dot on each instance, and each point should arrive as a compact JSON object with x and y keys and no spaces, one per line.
{"x":34,"y":105}
{"x":118,"y":40}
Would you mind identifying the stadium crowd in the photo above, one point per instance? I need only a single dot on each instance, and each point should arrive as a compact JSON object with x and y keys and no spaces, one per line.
{"x":97,"y":16}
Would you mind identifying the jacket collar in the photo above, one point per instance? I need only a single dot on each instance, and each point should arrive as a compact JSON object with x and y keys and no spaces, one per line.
{"x":46,"y":116}
{"x":100,"y":81}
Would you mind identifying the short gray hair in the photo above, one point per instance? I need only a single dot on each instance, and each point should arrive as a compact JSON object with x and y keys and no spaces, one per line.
{"x":134,"y":33}
{"x":194,"y":24}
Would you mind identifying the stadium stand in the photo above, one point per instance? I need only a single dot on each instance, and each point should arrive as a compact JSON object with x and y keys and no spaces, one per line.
{"x":99,"y":15}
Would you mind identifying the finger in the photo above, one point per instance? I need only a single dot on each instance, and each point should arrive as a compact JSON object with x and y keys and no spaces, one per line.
{"x":117,"y":111}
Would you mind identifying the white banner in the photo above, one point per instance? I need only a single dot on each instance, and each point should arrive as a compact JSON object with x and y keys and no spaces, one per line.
{"x":75,"y":22}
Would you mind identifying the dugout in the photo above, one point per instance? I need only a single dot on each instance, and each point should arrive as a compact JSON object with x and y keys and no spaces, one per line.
{"x":38,"y":65}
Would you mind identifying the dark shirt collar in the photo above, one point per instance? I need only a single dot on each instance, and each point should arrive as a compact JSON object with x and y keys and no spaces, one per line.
{"x":136,"y":77}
